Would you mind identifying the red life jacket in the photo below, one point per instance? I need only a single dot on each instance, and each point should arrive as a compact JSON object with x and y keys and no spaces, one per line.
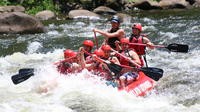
{"x":140,"y":50}
{"x":123,"y":61}
{"x":142,"y":61}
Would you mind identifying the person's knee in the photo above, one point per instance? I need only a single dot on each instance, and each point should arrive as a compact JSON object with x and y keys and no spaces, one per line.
{"x":122,"y":78}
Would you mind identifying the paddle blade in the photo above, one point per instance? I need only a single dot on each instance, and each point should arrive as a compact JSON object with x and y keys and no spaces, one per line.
{"x":114,"y":68}
{"x":178,"y":48}
{"x":26,"y":70}
{"x":154,"y":73}
{"x":23,"y":75}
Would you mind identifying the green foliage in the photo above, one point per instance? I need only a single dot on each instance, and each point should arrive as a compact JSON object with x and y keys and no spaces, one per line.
{"x":4,"y":3}
{"x":32,"y":6}
{"x":39,"y":6}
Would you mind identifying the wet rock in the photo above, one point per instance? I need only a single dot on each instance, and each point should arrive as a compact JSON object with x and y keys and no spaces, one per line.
{"x":17,"y":22}
{"x":45,"y":15}
{"x":173,"y":4}
{"x":4,"y":9}
{"x":191,"y":2}
{"x":147,"y":5}
{"x":104,"y":10}
{"x":197,"y":3}
{"x":73,"y":14}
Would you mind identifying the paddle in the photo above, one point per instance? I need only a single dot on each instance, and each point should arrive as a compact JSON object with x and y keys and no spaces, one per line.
{"x":64,"y":60}
{"x":154,"y":73}
{"x":95,"y":38}
{"x":26,"y":73}
{"x":23,"y":75}
{"x":171,"y":47}
{"x":113,"y":67}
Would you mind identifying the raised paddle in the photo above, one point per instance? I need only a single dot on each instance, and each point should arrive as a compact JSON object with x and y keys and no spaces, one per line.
{"x":96,"y":40}
{"x":152,"y":72}
{"x":171,"y":47}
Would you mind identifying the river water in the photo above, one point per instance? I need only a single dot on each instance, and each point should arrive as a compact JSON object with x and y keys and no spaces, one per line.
{"x":177,"y":91}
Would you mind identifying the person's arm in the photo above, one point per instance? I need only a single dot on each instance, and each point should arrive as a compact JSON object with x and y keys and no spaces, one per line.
{"x":148,"y":43}
{"x":135,"y":57}
{"x":115,"y":60}
{"x":120,"y":33}
{"x":118,"y":47}
{"x":83,"y":63}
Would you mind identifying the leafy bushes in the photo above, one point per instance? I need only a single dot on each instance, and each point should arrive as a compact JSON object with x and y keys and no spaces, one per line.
{"x":4,"y":3}
{"x":32,"y":6}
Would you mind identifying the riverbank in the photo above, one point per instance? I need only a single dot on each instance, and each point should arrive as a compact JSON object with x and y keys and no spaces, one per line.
{"x":63,"y":7}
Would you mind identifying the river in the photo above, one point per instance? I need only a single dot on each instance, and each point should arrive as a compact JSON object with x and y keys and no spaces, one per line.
{"x":177,"y":91}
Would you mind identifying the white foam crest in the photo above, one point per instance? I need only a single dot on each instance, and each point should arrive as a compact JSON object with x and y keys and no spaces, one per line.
{"x":53,"y":33}
{"x":149,"y":21}
{"x":149,"y":28}
{"x":12,"y":63}
{"x":34,"y":47}
{"x":21,"y":39}
{"x":167,"y":36}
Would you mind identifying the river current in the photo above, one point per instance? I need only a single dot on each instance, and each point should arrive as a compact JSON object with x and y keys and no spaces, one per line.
{"x":177,"y":91}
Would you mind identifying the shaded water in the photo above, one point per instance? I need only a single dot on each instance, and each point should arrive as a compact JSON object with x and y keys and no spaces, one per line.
{"x":177,"y":91}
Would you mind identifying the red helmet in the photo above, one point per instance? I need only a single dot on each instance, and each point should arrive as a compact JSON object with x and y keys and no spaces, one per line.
{"x":106,"y":48}
{"x":88,"y":43}
{"x":137,"y":26}
{"x":69,"y":53}
{"x":124,"y":40}
{"x":99,"y":52}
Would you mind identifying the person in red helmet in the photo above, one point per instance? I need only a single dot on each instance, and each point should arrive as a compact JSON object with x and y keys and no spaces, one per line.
{"x":109,"y":55}
{"x":96,"y":67}
{"x":87,"y":46}
{"x":128,"y":75}
{"x":99,"y":53}
{"x":131,"y":54}
{"x":113,"y":34}
{"x":69,"y":53}
{"x":70,"y":65}
{"x":136,"y":37}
